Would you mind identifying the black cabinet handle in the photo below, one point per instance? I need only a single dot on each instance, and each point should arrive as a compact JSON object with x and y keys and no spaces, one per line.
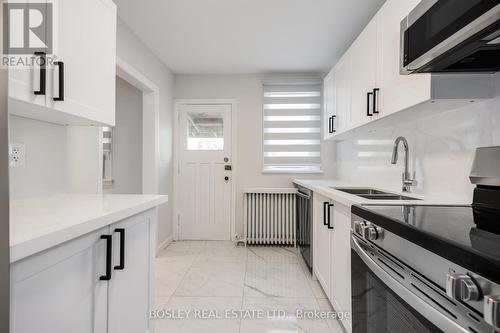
{"x":332,"y":124}
{"x":329,"y":216}
{"x":109,"y":243}
{"x":375,"y":106}
{"x":368,"y":95}
{"x":121,"y":266}
{"x":60,"y":65}
{"x":325,"y":208}
{"x":43,"y":73}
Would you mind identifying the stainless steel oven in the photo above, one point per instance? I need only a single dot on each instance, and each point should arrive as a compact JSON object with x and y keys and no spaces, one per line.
{"x":398,"y":286}
{"x":451,"y":36}
{"x":304,"y":224}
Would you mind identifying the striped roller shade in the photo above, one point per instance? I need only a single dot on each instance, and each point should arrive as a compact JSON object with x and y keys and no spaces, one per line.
{"x":292,"y":126}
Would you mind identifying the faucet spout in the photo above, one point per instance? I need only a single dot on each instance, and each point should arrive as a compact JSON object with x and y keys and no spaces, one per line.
{"x":407,"y":178}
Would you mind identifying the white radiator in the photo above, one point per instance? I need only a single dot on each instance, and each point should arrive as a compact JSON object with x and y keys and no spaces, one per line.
{"x":269,"y":216}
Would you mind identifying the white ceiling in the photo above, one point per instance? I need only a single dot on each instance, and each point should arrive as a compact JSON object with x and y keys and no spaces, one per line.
{"x":247,"y":36}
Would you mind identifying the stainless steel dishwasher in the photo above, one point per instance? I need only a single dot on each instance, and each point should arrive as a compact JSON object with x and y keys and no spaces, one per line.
{"x":304,"y":224}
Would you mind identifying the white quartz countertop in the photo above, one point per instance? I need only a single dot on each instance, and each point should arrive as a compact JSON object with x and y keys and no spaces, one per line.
{"x":37,"y":224}
{"x":327,"y":189}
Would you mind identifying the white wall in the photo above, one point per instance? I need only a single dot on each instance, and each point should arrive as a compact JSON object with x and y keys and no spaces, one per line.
{"x":127,"y":140}
{"x":442,"y":148}
{"x":134,"y":52}
{"x":45,"y":170}
{"x":247,"y":90}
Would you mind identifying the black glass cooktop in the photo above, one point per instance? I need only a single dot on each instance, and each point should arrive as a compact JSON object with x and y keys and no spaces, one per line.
{"x":465,"y":235}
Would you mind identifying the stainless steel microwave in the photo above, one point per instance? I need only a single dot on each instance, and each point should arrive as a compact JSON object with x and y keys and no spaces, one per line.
{"x":447,"y":36}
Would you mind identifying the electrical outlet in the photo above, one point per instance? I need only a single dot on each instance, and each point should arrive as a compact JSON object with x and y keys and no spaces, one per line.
{"x":17,"y":155}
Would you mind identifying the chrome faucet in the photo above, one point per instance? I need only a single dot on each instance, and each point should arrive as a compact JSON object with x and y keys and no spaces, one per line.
{"x":408,"y":180}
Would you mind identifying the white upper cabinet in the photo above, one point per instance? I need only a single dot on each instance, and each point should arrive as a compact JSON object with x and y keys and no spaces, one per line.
{"x":80,"y":87}
{"x":329,"y":111}
{"x":337,"y":98}
{"x":342,"y":86}
{"x":397,"y":92}
{"x":363,"y":74}
{"x":368,"y":85}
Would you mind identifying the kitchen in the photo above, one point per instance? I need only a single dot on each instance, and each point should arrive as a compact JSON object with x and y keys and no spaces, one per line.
{"x":183,"y":166}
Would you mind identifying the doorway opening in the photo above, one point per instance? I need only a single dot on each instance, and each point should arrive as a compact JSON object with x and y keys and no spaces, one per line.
{"x":122,"y":144}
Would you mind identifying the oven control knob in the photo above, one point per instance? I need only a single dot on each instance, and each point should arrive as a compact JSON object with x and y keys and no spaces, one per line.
{"x":372,"y":232}
{"x":358,"y":226}
{"x":461,"y":287}
{"x":492,"y":310}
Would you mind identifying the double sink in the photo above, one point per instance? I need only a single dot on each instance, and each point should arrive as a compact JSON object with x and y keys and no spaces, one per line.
{"x":373,"y":194}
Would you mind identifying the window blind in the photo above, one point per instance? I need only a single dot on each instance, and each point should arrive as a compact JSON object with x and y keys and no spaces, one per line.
{"x":292,"y":126}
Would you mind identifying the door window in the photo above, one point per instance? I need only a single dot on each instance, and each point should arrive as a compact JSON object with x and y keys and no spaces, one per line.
{"x":205,"y":131}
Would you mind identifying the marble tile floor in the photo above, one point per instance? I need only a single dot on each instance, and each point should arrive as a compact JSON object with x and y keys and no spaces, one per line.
{"x":212,"y":286}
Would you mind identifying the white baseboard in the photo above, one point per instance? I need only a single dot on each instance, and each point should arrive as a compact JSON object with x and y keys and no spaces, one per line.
{"x":166,"y":242}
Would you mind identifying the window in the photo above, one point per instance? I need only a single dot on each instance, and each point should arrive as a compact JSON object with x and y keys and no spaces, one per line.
{"x":205,"y":131}
{"x":292,"y":127}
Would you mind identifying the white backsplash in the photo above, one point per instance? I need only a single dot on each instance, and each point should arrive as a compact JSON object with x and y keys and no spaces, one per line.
{"x":441,"y":151}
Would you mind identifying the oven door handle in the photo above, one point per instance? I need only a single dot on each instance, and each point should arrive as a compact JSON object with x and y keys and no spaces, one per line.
{"x":412,"y":299}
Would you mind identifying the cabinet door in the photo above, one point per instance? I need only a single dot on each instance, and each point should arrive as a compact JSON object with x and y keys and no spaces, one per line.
{"x":23,"y":82}
{"x":343,"y":93}
{"x":130,"y":288}
{"x":86,"y":43}
{"x":321,"y":264}
{"x":328,"y":103}
{"x":397,"y":92}
{"x":340,"y":294}
{"x":363,"y":74}
{"x":59,"y":290}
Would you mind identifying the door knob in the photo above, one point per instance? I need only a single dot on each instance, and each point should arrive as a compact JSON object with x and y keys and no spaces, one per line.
{"x":226,"y":159}
{"x":226,"y":178}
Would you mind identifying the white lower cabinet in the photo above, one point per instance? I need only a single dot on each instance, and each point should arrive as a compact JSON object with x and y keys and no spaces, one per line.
{"x":340,"y":291}
{"x":64,"y":289}
{"x":321,"y":242}
{"x":131,"y":287}
{"x":332,"y":252}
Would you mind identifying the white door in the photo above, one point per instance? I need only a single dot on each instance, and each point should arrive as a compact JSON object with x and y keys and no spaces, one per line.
{"x":60,"y":289}
{"x":129,"y":287}
{"x":204,"y":181}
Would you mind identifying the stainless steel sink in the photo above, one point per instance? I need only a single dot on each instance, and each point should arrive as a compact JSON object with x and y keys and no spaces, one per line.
{"x":360,"y":191}
{"x":387,"y":197}
{"x":373,"y":194}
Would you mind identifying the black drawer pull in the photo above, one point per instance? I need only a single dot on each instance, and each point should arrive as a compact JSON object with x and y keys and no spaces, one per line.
{"x":121,"y":266}
{"x":60,"y":65}
{"x":109,"y":243}
{"x":43,"y":73}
